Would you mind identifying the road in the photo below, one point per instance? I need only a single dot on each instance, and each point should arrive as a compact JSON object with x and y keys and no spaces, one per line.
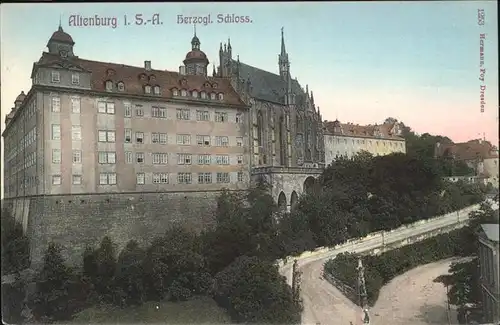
{"x":413,"y":298}
{"x":325,"y":304}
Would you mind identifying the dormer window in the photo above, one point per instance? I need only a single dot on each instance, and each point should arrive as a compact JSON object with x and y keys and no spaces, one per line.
{"x":214,"y":85}
{"x":156,"y":90}
{"x":147,"y":89}
{"x":175,"y":92}
{"x":121,"y":86}
{"x":142,"y":77}
{"x":152,"y":77}
{"x":195,"y":94}
{"x":207,"y":85}
{"x":110,"y":72}
{"x":109,"y":85}
{"x":75,"y":78}
{"x":55,"y":76}
{"x":183,"y":93}
{"x":212,"y":96}
{"x":183,"y":82}
{"x":221,"y":96}
{"x":203,"y":95}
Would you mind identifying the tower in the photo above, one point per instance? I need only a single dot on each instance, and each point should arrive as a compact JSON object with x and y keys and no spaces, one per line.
{"x":196,"y":61}
{"x":225,"y":60}
{"x":284,"y":69}
{"x":61,"y":43}
{"x":284,"y":64}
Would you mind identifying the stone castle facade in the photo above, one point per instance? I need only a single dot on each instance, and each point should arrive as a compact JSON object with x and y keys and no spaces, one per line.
{"x":95,"y":148}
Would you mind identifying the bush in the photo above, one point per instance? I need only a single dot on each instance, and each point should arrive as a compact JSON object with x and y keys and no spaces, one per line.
{"x":53,"y":285}
{"x":253,"y":291}
{"x":129,"y":275}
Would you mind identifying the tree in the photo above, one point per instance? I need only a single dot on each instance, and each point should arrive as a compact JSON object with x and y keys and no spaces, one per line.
{"x":129,"y":275}
{"x":253,"y":291}
{"x":175,"y":265}
{"x":15,"y":245}
{"x":52,"y":287}
{"x":106,"y":265}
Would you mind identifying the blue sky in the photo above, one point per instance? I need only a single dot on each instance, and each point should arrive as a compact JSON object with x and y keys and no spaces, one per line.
{"x":416,"y":61}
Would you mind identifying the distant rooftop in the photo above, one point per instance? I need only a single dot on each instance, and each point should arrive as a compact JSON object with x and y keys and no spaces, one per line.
{"x":491,"y":231}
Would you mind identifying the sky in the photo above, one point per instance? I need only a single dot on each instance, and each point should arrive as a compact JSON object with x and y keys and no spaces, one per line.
{"x":418,"y":62}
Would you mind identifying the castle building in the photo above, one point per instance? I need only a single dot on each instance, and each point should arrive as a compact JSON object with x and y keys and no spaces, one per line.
{"x":348,"y":139}
{"x":91,"y":141}
{"x":96,"y":148}
{"x":478,"y":154}
{"x":286,"y":132}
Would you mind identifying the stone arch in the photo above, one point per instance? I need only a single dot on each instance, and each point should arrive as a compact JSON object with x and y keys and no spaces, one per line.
{"x":294,"y":200}
{"x":310,"y":185}
{"x":282,"y":202}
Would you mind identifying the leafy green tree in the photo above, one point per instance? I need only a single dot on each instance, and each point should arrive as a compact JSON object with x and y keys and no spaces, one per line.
{"x":106,"y":266}
{"x":53,"y":284}
{"x":129,"y":275}
{"x":172,"y":261}
{"x":15,"y":245}
{"x":253,"y":291}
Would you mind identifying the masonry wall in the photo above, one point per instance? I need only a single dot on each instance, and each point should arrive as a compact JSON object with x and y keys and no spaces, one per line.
{"x":75,"y":221}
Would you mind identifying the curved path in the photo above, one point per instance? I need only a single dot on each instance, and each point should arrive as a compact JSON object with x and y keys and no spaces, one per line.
{"x":412,"y":298}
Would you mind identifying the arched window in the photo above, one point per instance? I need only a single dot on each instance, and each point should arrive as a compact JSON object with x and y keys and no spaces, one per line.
{"x":147,"y":89}
{"x":157,"y":90}
{"x":121,"y":86}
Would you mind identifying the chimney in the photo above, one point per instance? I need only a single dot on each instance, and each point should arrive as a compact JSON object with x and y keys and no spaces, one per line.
{"x":147,"y":65}
{"x":182,"y":70}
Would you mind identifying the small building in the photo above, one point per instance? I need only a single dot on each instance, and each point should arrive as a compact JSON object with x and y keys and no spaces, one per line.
{"x":490,"y":272}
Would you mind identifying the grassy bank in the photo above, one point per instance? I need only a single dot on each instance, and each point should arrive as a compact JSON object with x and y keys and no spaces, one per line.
{"x":199,"y":310}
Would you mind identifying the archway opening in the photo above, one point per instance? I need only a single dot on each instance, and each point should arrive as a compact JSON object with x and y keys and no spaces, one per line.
{"x":294,"y":200}
{"x":310,"y":186}
{"x":282,"y":202}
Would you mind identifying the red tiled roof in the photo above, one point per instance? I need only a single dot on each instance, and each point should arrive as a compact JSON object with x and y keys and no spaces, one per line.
{"x":470,"y":150}
{"x":135,"y":78}
{"x":362,"y":131}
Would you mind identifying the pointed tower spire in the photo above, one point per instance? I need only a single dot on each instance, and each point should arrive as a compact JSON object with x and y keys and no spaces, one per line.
{"x":307,"y":90}
{"x":312,"y":97}
{"x":229,"y":43}
{"x":283,"y":50}
{"x":220,"y":49}
{"x":194,"y":27}
{"x":214,"y":74}
{"x":60,"y":22}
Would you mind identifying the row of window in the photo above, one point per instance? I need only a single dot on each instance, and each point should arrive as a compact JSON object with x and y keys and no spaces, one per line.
{"x":158,"y":178}
{"x":56,"y":104}
{"x":109,"y":157}
{"x":76,"y":132}
{"x":104,"y":107}
{"x":75,"y":77}
{"x":369,"y":142}
{"x":162,"y":138}
{"x":148,"y":89}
